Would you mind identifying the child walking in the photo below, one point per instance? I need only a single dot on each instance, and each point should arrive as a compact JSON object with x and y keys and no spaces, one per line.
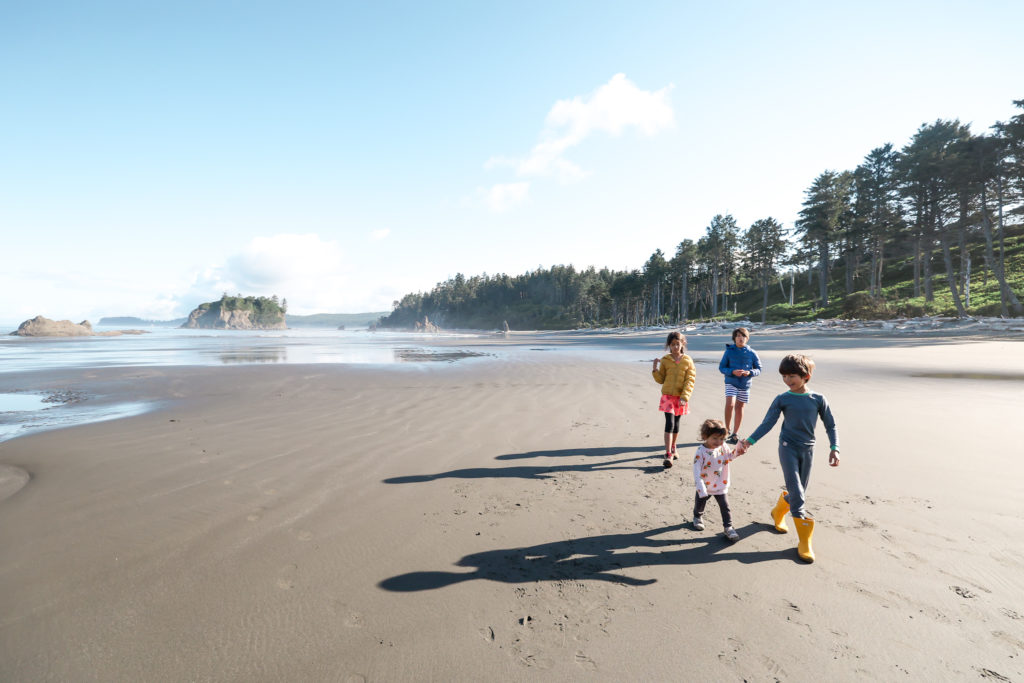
{"x":676,"y":373}
{"x":740,"y":365}
{"x":800,"y":410}
{"x":711,"y":475}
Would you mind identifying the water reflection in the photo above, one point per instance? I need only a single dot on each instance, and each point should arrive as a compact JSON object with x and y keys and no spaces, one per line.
{"x":987,"y":376}
{"x":218,"y":347}
{"x":269,"y":354}
{"x":433,"y":355}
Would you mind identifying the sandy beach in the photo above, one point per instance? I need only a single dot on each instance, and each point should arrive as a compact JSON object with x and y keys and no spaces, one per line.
{"x":507,"y":518}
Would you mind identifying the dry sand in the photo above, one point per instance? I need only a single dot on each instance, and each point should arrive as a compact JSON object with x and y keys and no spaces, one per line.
{"x":508,"y":518}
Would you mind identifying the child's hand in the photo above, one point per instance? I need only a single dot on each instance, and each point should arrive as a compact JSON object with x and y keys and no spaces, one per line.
{"x":741,"y":447}
{"x":833,"y":458}
{"x":655,"y":361}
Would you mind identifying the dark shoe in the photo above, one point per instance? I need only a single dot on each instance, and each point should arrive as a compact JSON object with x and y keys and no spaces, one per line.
{"x":733,"y":439}
{"x":668,"y":461}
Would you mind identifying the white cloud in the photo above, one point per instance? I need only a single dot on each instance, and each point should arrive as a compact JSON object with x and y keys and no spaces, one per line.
{"x":503,"y":197}
{"x":305,"y":269}
{"x":613,"y":108}
{"x":377,"y":235}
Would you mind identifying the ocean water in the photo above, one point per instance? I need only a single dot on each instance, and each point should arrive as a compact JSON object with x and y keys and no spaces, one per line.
{"x":172,"y":346}
{"x":25,"y":409}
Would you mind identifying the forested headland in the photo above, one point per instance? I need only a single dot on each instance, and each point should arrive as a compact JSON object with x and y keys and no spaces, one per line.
{"x":239,"y":313}
{"x":934,"y":228}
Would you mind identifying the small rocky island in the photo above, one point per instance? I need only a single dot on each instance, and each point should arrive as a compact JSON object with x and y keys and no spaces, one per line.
{"x":239,"y":313}
{"x":40,"y":326}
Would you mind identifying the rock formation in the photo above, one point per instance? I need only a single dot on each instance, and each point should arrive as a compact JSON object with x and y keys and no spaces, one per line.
{"x":217,"y":318}
{"x":426,"y":326}
{"x":44,"y":327}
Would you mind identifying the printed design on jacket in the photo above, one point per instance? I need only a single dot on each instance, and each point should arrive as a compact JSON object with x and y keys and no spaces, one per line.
{"x":711,"y":469}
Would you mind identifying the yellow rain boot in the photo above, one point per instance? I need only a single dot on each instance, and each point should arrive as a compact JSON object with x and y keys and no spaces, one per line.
{"x":779,"y":513}
{"x":804,"y":529}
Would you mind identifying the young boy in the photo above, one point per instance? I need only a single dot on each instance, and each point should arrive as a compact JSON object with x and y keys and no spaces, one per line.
{"x":739,"y":364}
{"x":800,"y":410}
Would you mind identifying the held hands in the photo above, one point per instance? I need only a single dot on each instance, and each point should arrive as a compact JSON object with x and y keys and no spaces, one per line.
{"x":741,"y":447}
{"x":740,"y":373}
{"x":833,"y":458}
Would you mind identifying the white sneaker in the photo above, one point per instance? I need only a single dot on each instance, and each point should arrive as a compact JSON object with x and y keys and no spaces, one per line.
{"x":731,"y":534}
{"x":698,"y":523}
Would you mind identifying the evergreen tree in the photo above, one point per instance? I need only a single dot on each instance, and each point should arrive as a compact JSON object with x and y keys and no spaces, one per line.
{"x":765,"y":245}
{"x":826,"y":211}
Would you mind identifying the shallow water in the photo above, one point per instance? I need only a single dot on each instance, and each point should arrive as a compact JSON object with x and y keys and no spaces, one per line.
{"x":16,"y":403}
{"x":170,"y":346}
{"x":20,"y":423}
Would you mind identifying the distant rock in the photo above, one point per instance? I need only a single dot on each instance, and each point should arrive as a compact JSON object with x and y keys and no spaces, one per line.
{"x":44,"y":327}
{"x":426,"y":326}
{"x":237,"y":313}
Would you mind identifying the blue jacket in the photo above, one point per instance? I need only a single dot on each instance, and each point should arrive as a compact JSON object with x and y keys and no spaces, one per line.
{"x":736,"y":358}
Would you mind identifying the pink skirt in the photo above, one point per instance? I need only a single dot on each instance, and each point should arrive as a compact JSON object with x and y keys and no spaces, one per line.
{"x":672,"y":404}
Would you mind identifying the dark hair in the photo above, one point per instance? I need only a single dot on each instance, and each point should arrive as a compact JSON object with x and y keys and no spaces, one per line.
{"x":740,"y":331}
{"x":672,"y":336}
{"x":797,"y":364}
{"x":710,"y":428}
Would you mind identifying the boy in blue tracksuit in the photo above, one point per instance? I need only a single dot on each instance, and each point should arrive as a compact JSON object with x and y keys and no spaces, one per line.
{"x":800,"y":410}
{"x":739,"y":364}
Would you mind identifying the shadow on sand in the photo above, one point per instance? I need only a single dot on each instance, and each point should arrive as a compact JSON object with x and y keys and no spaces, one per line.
{"x":595,"y":558}
{"x":545,"y":471}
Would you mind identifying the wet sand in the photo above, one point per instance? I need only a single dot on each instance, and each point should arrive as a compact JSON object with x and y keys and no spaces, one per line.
{"x":506,"y":517}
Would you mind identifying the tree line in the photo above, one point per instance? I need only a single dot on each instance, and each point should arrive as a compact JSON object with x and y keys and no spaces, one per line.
{"x":920,"y":216}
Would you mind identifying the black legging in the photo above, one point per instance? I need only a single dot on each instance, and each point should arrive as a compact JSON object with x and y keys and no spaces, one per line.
{"x":672,"y":423}
{"x":723,"y":505}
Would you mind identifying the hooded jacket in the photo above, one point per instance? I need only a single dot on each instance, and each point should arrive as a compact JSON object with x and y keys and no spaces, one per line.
{"x":736,"y":358}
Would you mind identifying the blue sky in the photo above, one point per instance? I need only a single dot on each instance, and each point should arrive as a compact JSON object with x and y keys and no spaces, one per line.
{"x":341,"y":154}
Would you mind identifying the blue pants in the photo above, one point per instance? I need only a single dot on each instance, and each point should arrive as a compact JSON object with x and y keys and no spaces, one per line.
{"x":795,"y":462}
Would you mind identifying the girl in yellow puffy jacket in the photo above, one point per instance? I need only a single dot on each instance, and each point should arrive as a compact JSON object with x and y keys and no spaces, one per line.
{"x":676,"y":373}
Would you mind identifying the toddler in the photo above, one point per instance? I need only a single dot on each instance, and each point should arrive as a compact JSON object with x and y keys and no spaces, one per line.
{"x":711,"y":475}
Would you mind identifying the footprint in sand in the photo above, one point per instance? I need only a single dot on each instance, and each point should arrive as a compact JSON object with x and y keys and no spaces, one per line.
{"x":585,"y":662}
{"x":487,"y":633}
